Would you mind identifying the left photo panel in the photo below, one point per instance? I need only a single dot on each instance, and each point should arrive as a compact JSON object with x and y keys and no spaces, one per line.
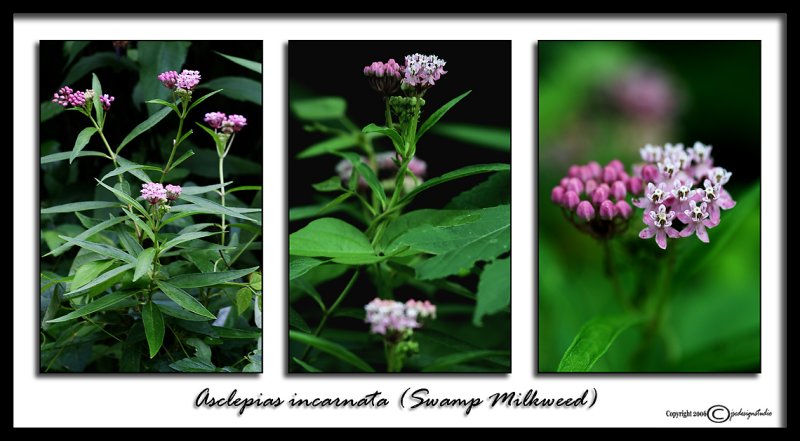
{"x":150,"y":196}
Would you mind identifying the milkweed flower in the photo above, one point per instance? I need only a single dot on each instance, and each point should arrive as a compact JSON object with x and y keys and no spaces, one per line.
{"x":659,"y":224}
{"x":423,"y":71}
{"x":106,"y":100}
{"x":173,"y":192}
{"x":235,"y":123}
{"x":62,"y":96}
{"x":215,"y":119}
{"x":390,"y":316}
{"x":154,"y":193}
{"x":169,"y":79}
{"x":186,"y":80}
{"x":384,"y":77}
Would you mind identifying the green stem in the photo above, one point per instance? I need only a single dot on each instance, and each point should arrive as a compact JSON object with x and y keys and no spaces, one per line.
{"x":105,"y":141}
{"x":222,"y":198}
{"x":330,"y":310}
{"x":175,"y":142}
{"x":611,"y":272}
{"x":657,"y":310}
{"x":388,"y":113}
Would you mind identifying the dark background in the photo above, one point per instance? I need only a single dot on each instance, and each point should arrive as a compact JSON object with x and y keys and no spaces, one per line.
{"x":335,"y":68}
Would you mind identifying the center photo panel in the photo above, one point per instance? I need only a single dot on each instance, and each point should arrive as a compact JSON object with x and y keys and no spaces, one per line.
{"x":399,"y":197}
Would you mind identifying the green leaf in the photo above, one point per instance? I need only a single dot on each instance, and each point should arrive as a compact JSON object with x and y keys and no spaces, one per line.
{"x":144,"y":126}
{"x":94,"y":62}
{"x":184,"y":238}
{"x":331,"y":348}
{"x":244,"y":297}
{"x":444,"y":363}
{"x":80,"y":142}
{"x":165,"y":103}
{"x":153,"y":327}
{"x":305,"y":365}
{"x":494,"y":289}
{"x":73,"y":48}
{"x":192,"y":190}
{"x":301,"y":265}
{"x":183,"y":157}
{"x":203,"y":98}
{"x":458,"y":247}
{"x":330,"y":145}
{"x":593,"y":340}
{"x":156,"y":57}
{"x":88,"y":272}
{"x":244,"y":188}
{"x":124,"y":197}
{"x":55,"y":157}
{"x":184,"y":300}
{"x":237,"y":88}
{"x":172,"y":309}
{"x":127,"y":240}
{"x":48,"y":110}
{"x":334,"y":183}
{"x":249,"y":64}
{"x":219,"y":143}
{"x":496,"y":138}
{"x":393,"y":134}
{"x":98,"y":106}
{"x":86,"y":234}
{"x":495,"y":190}
{"x":143,"y":263}
{"x":469,"y":170}
{"x":368,"y":174}
{"x":105,"y":250}
{"x":207,"y":206}
{"x":438,"y":114}
{"x":142,"y":225}
{"x":319,"y":109}
{"x":200,"y":280}
{"x":98,"y":305}
{"x":330,"y":237}
{"x":139,"y":174}
{"x":201,"y":349}
{"x":128,"y":168}
{"x":102,"y":279}
{"x":233,"y":333}
{"x":79,"y":206}
{"x":193,"y":364}
{"x":297,"y":321}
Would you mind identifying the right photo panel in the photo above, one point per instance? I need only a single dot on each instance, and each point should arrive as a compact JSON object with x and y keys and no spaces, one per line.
{"x":649,"y":206}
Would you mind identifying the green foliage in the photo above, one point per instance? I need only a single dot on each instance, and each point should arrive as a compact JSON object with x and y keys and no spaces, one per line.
{"x":457,"y":257}
{"x":120,"y":290}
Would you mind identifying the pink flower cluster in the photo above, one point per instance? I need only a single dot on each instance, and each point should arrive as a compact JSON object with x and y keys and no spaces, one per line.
{"x":386,"y":164}
{"x":228,"y":124}
{"x":671,"y":173}
{"x":597,"y":196}
{"x":387,"y":316}
{"x":186,"y":80}
{"x":106,"y":100}
{"x":66,"y":97}
{"x":155,"y":193}
{"x":419,"y":73}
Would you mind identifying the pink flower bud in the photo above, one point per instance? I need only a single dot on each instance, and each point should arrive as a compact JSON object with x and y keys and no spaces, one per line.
{"x":618,"y":190}
{"x":574,"y":171}
{"x":608,"y":210}
{"x":557,"y":195}
{"x":590,"y":186}
{"x":617,"y":165}
{"x":609,"y":174}
{"x":635,"y":185}
{"x":564,"y":182}
{"x":585,"y":173}
{"x":624,"y":209}
{"x":575,"y":185}
{"x":585,"y":211}
{"x":649,"y":173}
{"x":571,"y":199}
{"x":597,"y":170}
{"x":600,"y":194}
{"x":622,"y":176}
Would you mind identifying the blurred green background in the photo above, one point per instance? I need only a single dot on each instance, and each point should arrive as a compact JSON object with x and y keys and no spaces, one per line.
{"x":605,"y":100}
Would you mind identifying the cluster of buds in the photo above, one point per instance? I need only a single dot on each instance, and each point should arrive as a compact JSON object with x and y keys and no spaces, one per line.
{"x":387,"y":164}
{"x":668,"y":176}
{"x":181,"y":83}
{"x":593,"y":197}
{"x":387,"y":317}
{"x":66,"y":97}
{"x":227,"y":124}
{"x":417,"y":75}
{"x":161,"y":195}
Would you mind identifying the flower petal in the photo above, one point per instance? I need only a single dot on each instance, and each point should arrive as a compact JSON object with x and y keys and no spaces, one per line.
{"x":661,"y":239}
{"x":671,"y":232}
{"x":688,"y":230}
{"x":702,"y":234}
{"x":647,"y":233}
